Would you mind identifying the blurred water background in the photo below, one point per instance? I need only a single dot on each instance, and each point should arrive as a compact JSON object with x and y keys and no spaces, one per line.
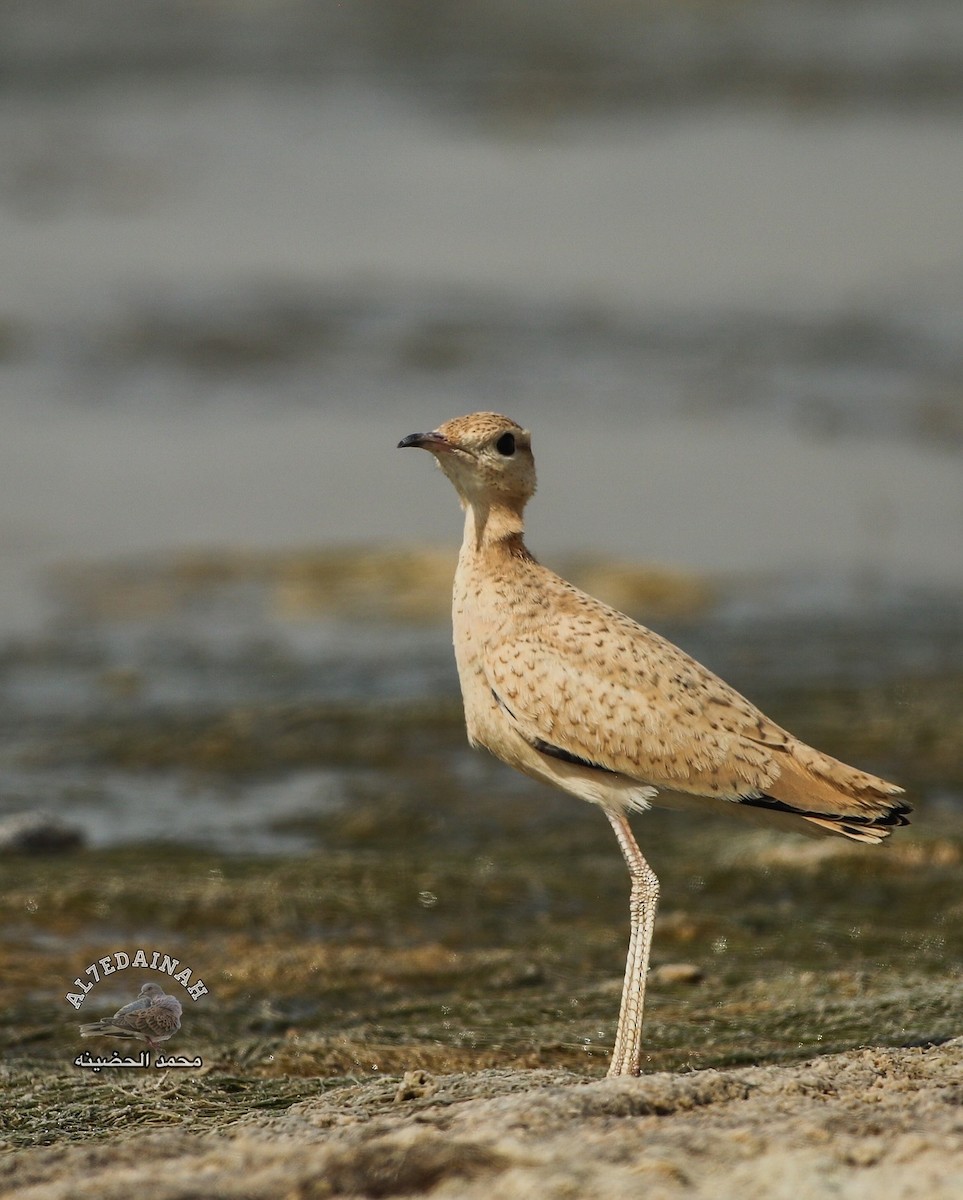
{"x":712,"y":254}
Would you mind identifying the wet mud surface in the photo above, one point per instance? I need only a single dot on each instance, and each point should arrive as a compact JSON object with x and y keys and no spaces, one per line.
{"x":289,"y":809}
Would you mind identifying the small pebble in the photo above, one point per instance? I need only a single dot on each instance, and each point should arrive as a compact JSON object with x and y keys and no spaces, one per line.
{"x":415,"y":1085}
{"x":38,"y":833}
{"x":676,"y":973}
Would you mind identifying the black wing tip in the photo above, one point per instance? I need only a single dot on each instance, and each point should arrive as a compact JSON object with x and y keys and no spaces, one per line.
{"x":893,"y":818}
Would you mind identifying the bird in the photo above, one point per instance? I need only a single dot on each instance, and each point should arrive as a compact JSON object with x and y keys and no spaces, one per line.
{"x":149,"y":992}
{"x":154,"y":1017}
{"x":569,"y":691}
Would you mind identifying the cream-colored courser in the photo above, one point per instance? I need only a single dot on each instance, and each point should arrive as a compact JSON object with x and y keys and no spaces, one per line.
{"x":566,"y":689}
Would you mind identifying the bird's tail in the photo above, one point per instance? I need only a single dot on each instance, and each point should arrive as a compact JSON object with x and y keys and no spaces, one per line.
{"x":97,"y":1028}
{"x":834,"y":797}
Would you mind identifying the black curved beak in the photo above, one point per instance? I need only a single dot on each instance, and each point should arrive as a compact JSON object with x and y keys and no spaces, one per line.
{"x":425,"y":441}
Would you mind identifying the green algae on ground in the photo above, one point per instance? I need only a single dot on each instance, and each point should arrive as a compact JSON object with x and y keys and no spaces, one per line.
{"x":453,"y":916}
{"x":52,"y":1106}
{"x":390,"y":954}
{"x":400,"y":583}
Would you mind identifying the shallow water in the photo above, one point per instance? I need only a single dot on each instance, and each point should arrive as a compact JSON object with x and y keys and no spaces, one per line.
{"x":176,"y":701}
{"x":733,"y":331}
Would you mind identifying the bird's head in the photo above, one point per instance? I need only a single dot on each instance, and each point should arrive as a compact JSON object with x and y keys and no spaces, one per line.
{"x":487,"y":457}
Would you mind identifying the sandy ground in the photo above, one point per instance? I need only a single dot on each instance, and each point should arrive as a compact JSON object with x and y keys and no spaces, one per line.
{"x":869,"y":1123}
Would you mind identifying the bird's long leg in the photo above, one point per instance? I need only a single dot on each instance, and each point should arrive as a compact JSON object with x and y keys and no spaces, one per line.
{"x":642,"y":901}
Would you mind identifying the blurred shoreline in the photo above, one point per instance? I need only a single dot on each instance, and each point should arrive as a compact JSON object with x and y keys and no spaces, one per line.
{"x":524,"y":60}
{"x":733,"y":332}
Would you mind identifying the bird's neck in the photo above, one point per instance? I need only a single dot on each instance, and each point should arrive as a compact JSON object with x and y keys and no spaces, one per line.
{"x":493,"y":528}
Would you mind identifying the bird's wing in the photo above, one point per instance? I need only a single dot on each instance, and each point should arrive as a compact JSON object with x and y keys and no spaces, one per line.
{"x":157,"y":1021}
{"x":134,"y":1006}
{"x":592,"y":685}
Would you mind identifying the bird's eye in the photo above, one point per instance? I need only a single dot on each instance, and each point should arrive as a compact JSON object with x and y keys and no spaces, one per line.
{"x":506,"y":444}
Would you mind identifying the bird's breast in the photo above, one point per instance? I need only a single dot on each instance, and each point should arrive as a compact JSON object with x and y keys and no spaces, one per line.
{"x":478,"y":618}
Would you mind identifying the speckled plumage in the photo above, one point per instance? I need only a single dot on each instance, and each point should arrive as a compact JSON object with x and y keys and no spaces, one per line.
{"x":152,"y":1022}
{"x":572,"y":692}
